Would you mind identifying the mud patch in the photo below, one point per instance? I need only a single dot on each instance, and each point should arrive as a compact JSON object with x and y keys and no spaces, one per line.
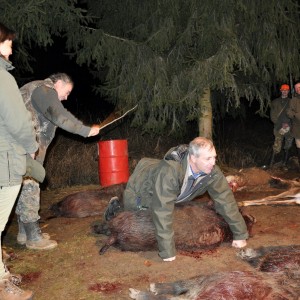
{"x":75,"y":270}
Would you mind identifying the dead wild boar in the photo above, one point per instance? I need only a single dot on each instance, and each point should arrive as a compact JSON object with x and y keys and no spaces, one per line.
{"x":256,"y":177}
{"x":234,"y":285}
{"x":248,"y":177}
{"x":86,"y":203}
{"x":274,"y":259}
{"x":195,"y":228}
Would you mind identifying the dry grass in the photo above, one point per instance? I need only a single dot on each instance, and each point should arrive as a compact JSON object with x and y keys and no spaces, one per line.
{"x":72,"y":160}
{"x":75,"y":270}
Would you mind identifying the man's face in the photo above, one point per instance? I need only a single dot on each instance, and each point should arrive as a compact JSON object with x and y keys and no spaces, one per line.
{"x":297,"y":88}
{"x":63,"y":89}
{"x":205,"y":162}
{"x":6,"y":48}
{"x":284,"y":93}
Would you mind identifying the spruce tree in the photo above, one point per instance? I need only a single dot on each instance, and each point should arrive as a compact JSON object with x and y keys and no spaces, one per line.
{"x":173,"y":57}
{"x":179,"y":60}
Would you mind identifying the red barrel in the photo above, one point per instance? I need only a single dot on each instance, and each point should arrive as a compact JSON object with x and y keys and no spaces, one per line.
{"x":113,"y":162}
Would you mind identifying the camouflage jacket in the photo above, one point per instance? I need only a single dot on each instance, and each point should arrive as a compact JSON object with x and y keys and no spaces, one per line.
{"x":48,"y":113}
{"x":278,"y":114}
{"x":293,"y":112}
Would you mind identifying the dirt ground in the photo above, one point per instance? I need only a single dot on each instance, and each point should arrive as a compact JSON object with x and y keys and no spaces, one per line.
{"x":75,"y":270}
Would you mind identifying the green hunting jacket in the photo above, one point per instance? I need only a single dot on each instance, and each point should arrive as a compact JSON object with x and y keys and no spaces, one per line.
{"x":278,"y":114}
{"x":156,"y":184}
{"x":293,"y":112}
{"x":17,"y":136}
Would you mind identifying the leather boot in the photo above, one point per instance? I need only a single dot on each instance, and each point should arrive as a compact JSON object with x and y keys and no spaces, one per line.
{"x":285,"y":159}
{"x":9,"y":291}
{"x":298,"y":152}
{"x":35,"y":238}
{"x":15,"y":279}
{"x":22,"y":238}
{"x":272,"y":160}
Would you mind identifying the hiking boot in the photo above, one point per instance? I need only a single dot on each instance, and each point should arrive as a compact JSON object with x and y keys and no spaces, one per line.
{"x":41,"y":244}
{"x":286,"y":159}
{"x":114,"y":206}
{"x":9,"y":291}
{"x":272,"y":160}
{"x":35,"y":239}
{"x":298,"y":154}
{"x":22,"y":237}
{"x":13,"y":278}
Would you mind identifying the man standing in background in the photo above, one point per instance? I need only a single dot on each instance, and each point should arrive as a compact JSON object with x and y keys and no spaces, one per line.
{"x":282,"y":125}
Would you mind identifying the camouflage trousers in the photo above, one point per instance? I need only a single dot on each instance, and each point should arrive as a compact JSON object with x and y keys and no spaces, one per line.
{"x":28,"y":204}
{"x":279,"y":139}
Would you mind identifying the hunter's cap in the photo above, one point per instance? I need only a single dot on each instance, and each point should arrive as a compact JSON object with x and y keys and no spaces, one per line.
{"x":285,"y":87}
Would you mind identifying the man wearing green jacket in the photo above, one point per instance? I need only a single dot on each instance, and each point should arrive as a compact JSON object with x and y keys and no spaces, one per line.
{"x":17,"y":140}
{"x":282,"y":124}
{"x":185,"y":172}
{"x":43,"y":99}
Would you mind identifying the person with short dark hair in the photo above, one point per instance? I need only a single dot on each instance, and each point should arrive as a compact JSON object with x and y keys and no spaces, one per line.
{"x":17,"y":138}
{"x":185,"y":172}
{"x":43,"y":99}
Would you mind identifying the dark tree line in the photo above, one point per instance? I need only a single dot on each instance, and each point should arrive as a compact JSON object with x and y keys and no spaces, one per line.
{"x":179,"y":60}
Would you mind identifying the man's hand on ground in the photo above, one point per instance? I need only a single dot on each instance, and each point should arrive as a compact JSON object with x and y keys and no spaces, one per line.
{"x":239,"y":243}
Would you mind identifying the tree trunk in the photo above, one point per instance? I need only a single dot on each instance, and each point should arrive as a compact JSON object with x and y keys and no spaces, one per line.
{"x":205,"y":117}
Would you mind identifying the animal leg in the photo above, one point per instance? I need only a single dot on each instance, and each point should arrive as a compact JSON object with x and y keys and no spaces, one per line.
{"x":108,"y":243}
{"x":268,"y":202}
{"x":141,"y":295}
{"x":171,"y":288}
{"x":291,"y":196}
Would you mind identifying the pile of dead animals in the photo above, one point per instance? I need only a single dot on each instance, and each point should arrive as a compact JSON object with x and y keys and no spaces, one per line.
{"x":276,"y":270}
{"x":254,"y":177}
{"x":276,"y":276}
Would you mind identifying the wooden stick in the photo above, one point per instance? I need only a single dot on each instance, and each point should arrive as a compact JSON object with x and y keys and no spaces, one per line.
{"x":113,"y":117}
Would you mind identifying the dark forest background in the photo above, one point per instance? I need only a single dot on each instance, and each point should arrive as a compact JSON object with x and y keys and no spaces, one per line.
{"x":176,"y":59}
{"x":242,"y":141}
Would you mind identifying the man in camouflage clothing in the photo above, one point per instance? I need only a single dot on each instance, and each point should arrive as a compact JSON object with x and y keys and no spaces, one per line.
{"x":282,"y":124}
{"x":43,"y":99}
